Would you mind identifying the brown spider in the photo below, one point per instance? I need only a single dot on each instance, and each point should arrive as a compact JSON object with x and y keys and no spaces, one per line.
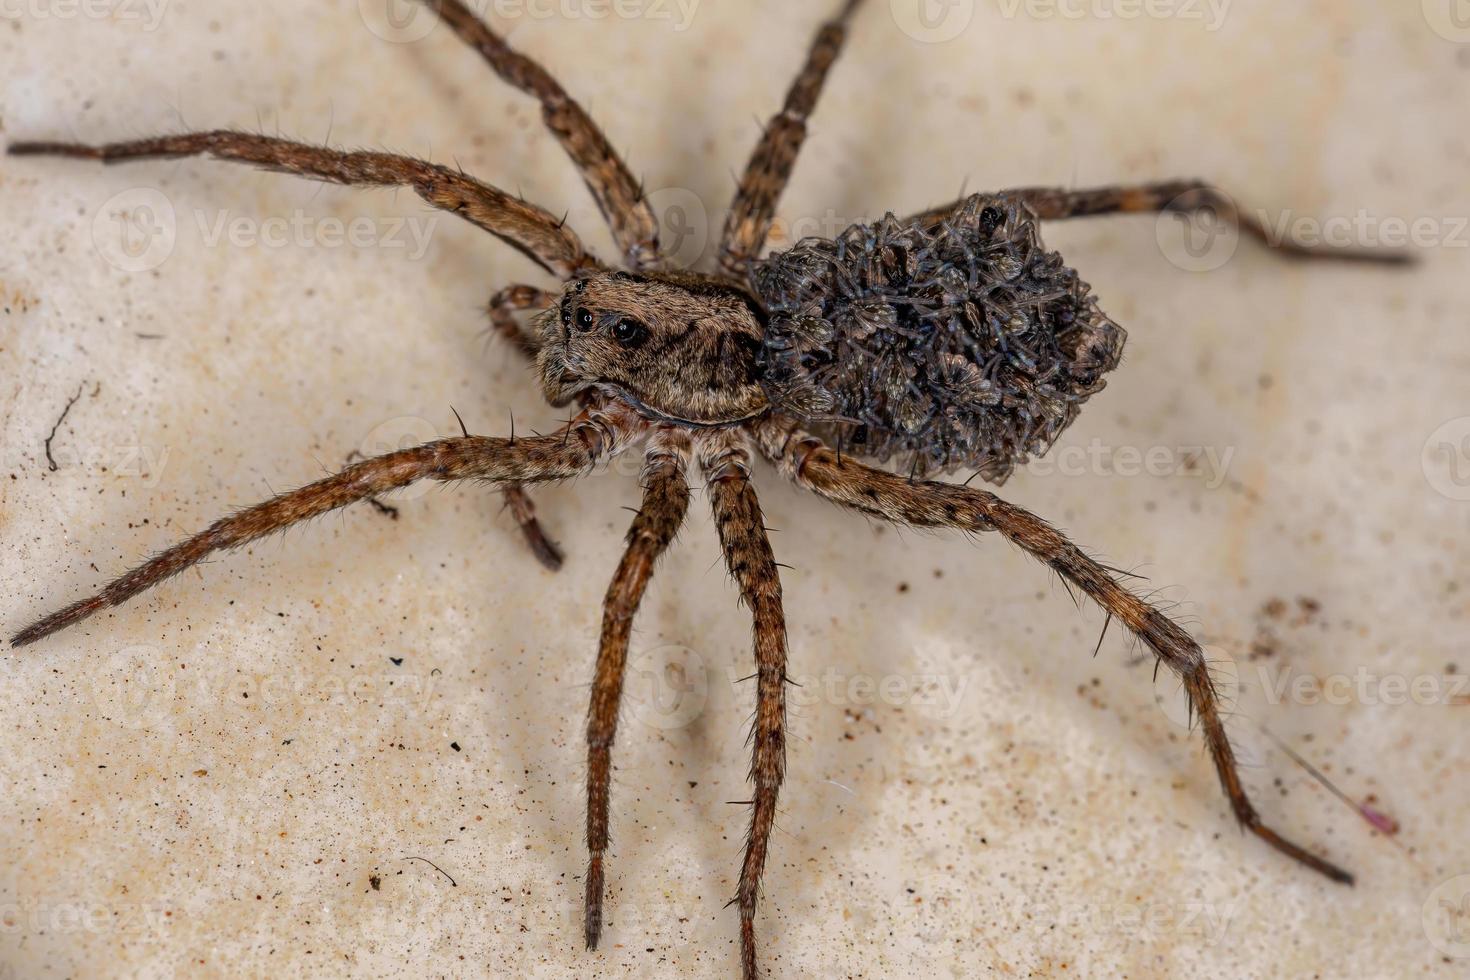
{"x":952,"y":337}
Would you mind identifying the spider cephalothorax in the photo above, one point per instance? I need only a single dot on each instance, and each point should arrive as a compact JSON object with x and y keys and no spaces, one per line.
{"x":681,"y":347}
{"x":962,"y":344}
{"x":952,"y":336}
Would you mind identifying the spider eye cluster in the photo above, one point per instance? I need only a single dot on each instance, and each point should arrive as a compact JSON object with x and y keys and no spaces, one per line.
{"x":626,"y":331}
{"x":962,"y":344}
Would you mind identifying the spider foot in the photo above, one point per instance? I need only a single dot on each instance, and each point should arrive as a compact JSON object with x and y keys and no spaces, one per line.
{"x":593,"y":926}
{"x":1296,"y":853}
{"x":748,"y":969}
{"x":546,"y":551}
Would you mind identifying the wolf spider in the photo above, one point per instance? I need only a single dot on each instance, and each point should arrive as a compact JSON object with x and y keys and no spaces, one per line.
{"x":868,"y":339}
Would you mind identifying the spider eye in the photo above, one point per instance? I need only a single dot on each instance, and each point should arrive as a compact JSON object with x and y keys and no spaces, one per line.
{"x":583,"y":318}
{"x":629,"y":332}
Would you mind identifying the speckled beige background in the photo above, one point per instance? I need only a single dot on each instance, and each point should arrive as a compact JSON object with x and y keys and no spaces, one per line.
{"x":230,"y":776}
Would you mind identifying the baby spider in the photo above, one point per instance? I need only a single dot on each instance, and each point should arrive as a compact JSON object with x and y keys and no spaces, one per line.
{"x":951,"y":339}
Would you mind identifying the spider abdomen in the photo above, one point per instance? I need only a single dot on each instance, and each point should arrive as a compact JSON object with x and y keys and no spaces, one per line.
{"x":964,"y":344}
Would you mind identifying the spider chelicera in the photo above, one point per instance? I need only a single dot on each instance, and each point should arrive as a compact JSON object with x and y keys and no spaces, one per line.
{"x":951,"y":338}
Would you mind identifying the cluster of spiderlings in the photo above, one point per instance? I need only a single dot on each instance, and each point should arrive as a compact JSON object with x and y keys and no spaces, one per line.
{"x":965,"y":344}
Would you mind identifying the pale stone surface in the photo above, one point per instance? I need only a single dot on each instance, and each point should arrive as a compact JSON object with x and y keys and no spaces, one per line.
{"x":209,"y":780}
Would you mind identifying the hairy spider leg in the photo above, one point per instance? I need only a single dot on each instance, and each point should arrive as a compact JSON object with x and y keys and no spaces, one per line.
{"x":766,"y":174}
{"x":1175,"y":196}
{"x":594,"y":434}
{"x":811,"y":464}
{"x":618,"y":195}
{"x":725,"y":461}
{"x":503,"y":307}
{"x":529,"y":229}
{"x":665,"y":502}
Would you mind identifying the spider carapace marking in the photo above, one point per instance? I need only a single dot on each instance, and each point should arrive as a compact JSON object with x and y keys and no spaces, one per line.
{"x":952,"y":338}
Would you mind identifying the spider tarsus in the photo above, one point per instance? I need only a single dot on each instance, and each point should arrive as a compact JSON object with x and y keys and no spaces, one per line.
{"x":1368,"y":256}
{"x":1298,"y":854}
{"x":748,"y":970}
{"x":593,"y":928}
{"x":58,"y":620}
{"x":547,"y":552}
{"x":44,"y":148}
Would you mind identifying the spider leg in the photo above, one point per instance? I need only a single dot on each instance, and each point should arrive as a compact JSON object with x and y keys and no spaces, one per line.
{"x":725,"y":461}
{"x":531,"y":230}
{"x":1176,"y":196}
{"x":665,"y":502}
{"x":592,"y":435}
{"x":618,"y":195}
{"x":547,"y":552}
{"x":812,"y":465}
{"x":769,"y":168}
{"x":511,"y":300}
{"x":503,"y":306}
